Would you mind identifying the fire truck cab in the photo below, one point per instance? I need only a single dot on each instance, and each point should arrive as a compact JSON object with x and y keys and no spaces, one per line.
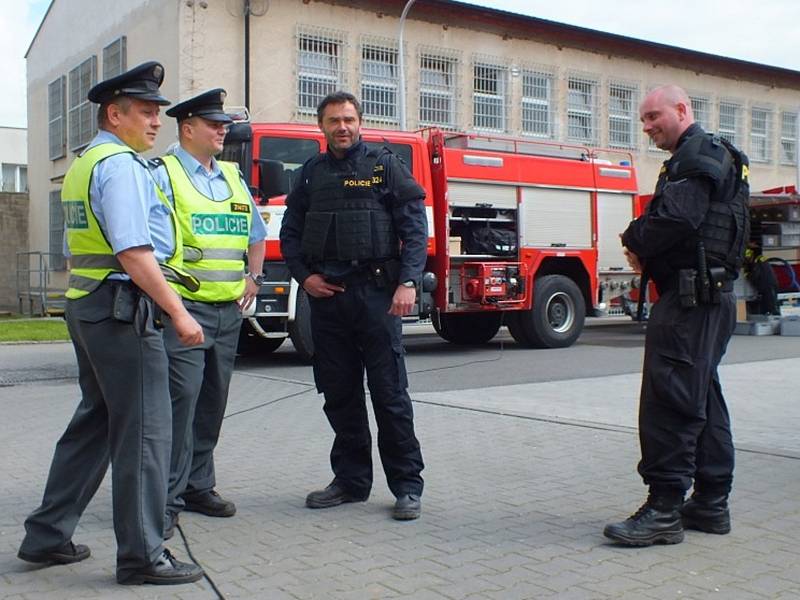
{"x":522,"y":233}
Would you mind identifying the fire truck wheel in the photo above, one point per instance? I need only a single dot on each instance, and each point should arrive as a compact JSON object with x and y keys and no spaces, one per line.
{"x":556,"y":319}
{"x":252,"y":343}
{"x":467,"y":328}
{"x":300,"y":328}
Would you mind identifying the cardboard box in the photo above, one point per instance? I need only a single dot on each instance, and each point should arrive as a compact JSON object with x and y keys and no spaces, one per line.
{"x":454,"y":246}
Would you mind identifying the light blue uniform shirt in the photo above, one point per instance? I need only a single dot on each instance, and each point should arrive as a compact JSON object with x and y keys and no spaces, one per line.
{"x":124,"y":200}
{"x":212,"y":185}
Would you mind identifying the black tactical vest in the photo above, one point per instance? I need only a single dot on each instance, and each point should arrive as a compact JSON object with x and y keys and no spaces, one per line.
{"x":346,"y":220}
{"x":726,"y":227}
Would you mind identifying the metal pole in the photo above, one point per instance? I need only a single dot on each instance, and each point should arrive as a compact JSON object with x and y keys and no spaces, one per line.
{"x":401,"y":104}
{"x":247,"y":54}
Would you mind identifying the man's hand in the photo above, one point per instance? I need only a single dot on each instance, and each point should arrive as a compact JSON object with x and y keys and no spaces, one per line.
{"x":633,"y":260}
{"x":189,"y":331}
{"x":316,"y":286}
{"x":250,"y":293}
{"x":403,"y":301}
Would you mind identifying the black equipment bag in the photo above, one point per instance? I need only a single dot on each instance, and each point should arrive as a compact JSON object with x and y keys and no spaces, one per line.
{"x":483,"y":239}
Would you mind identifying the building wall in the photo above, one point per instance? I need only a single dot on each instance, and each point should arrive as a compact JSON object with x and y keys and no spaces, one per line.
{"x":201,"y":45}
{"x":13,"y":239}
{"x":73,"y":31}
{"x":14,"y":145}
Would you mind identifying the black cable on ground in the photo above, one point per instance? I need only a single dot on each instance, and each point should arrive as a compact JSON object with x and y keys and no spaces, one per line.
{"x":206,"y":576}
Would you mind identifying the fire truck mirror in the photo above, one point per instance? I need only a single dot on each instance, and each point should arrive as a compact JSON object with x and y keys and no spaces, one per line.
{"x":273,"y":180}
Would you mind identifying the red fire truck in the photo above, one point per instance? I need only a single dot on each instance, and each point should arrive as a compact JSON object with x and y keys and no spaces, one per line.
{"x":522,"y":233}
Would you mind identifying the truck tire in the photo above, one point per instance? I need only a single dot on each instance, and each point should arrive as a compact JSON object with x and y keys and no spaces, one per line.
{"x":252,"y":343}
{"x":557,"y":317}
{"x":300,"y":328}
{"x":467,"y":328}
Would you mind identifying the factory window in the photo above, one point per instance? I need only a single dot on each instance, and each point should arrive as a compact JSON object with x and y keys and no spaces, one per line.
{"x":623,"y":122}
{"x":114,"y":58}
{"x":581,"y":110}
{"x":82,"y":122}
{"x":701,"y":107}
{"x":320,"y":67}
{"x":437,"y":90}
{"x":489,"y":85}
{"x":57,"y":132}
{"x":730,"y":122}
{"x":760,"y":134}
{"x":788,"y":138}
{"x":538,"y":103}
{"x":379,"y":83}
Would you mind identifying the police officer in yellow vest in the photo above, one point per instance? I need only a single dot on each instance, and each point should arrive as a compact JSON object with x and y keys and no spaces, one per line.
{"x":123,"y":241}
{"x":219,"y":223}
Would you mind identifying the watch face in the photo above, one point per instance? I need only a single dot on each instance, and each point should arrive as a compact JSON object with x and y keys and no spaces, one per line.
{"x":409,"y":284}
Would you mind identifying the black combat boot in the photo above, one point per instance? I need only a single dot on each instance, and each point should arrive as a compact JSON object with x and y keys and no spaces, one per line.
{"x":707,"y":512}
{"x":658,"y":521}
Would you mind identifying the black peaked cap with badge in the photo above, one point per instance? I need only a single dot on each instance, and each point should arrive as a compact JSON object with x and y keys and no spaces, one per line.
{"x":207,"y":105}
{"x":141,"y":82}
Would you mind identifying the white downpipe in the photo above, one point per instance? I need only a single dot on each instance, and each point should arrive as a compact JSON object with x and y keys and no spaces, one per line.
{"x":401,"y":104}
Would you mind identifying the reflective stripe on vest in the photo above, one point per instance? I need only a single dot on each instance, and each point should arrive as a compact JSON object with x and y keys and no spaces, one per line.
{"x":92,"y":257}
{"x":215,"y":233}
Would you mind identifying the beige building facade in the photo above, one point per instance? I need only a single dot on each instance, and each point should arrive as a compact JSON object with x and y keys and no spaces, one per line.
{"x":466,"y":68}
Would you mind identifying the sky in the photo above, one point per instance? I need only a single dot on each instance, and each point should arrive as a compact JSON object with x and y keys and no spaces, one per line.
{"x":765,"y":32}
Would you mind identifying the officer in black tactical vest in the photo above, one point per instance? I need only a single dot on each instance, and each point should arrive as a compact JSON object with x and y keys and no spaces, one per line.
{"x":691,"y":242}
{"x":354,"y":235}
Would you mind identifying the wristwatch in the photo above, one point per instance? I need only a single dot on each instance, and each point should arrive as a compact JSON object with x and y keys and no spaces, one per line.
{"x":409,"y":284}
{"x":257,"y":279}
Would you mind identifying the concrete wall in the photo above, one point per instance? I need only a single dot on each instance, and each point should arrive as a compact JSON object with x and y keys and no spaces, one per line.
{"x":13,"y":239}
{"x":14,"y":145}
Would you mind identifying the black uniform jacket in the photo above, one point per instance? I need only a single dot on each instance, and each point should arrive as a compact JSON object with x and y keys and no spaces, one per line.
{"x":668,"y":221}
{"x":408,"y":216}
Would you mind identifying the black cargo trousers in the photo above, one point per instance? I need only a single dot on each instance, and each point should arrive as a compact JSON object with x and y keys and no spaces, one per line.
{"x":684,"y":427}
{"x":353,"y":331}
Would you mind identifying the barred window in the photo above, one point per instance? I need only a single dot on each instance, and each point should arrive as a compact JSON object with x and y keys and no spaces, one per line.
{"x":320,"y":68}
{"x":57,"y":108}
{"x":437,"y":90}
{"x":760,"y":134}
{"x":701,"y":107}
{"x":538,"y":104}
{"x":581,"y":110}
{"x":379,"y":82}
{"x":489,"y":85}
{"x":56,"y":211}
{"x":788,"y":138}
{"x":114,"y":58}
{"x":730,"y":122}
{"x":623,"y":103}
{"x":82,"y":124}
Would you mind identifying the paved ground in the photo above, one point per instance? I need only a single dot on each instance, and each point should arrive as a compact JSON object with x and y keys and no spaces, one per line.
{"x":520,"y":481}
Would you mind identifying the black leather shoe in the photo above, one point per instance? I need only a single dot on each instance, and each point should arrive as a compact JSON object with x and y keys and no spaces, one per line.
{"x":210,"y":503}
{"x":64,"y":555}
{"x":407,"y":508}
{"x":170,"y":521}
{"x":167,"y":570}
{"x":333,"y":495}
{"x":708,"y":513}
{"x":656,"y":522}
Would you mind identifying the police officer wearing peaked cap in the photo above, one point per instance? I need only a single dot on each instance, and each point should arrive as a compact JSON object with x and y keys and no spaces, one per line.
{"x":340,"y":236}
{"x":690,"y":241}
{"x":123,"y":248}
{"x":198,"y":186}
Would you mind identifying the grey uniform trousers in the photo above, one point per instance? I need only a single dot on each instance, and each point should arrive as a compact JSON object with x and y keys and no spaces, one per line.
{"x":199,"y":380}
{"x":124,"y":417}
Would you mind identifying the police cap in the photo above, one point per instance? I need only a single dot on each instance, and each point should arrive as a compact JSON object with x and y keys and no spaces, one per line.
{"x":207,"y":105}
{"x":141,"y":82}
